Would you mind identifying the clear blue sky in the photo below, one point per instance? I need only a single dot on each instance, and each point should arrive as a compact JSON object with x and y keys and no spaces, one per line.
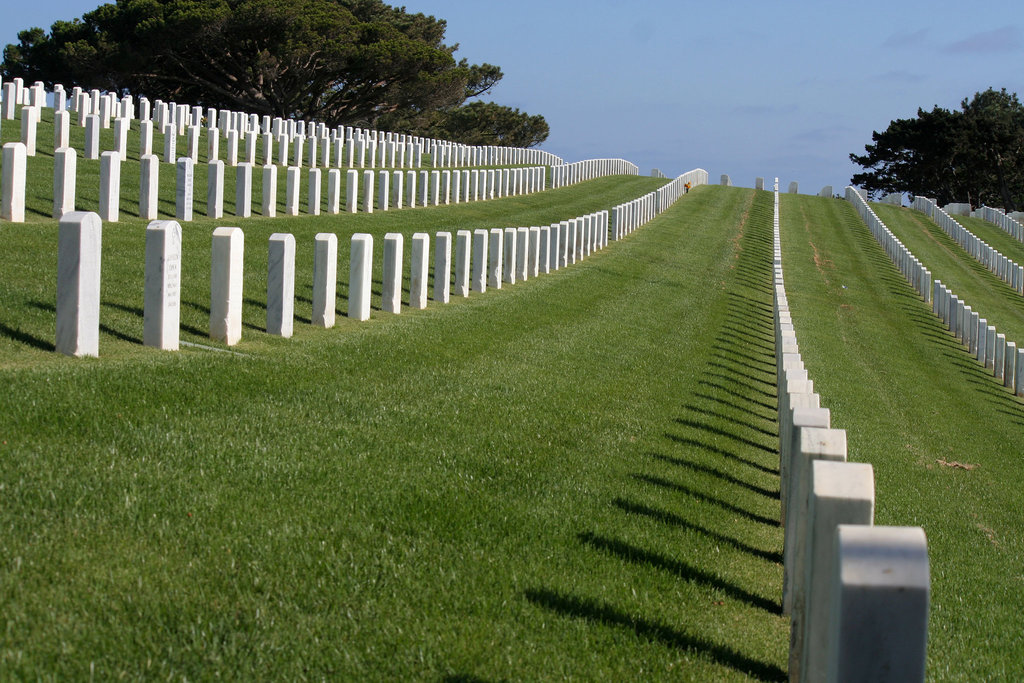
{"x":783,"y":89}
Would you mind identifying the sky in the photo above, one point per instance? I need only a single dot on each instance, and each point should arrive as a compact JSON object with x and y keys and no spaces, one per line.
{"x":772,"y":89}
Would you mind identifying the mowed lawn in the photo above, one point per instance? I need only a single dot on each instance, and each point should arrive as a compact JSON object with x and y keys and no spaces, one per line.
{"x":944,"y":438}
{"x":573,"y":477}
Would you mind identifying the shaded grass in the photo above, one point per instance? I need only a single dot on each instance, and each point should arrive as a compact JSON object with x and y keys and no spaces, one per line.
{"x":466,"y":492}
{"x":910,"y":398}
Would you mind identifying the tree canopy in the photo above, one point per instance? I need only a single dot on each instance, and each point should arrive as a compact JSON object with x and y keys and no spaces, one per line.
{"x":974,"y":154}
{"x":354,"y":62}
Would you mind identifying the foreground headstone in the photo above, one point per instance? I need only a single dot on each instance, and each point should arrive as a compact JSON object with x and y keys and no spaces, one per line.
{"x":840,"y":493}
{"x":495,"y":258}
{"x":281,"y":284}
{"x":360,"y":276}
{"x":480,"y":252}
{"x":419,"y":270}
{"x":878,"y":630}
{"x":442,"y":267}
{"x":462,"y":254}
{"x":325,"y":278}
{"x":226,"y":285}
{"x":162,"y":296}
{"x":79,"y":241}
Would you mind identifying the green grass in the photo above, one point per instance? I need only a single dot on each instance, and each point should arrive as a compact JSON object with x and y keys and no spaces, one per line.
{"x":910,"y":398}
{"x":572,"y":477}
{"x":985,"y":293}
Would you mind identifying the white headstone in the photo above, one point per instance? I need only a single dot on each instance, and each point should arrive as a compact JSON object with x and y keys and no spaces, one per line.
{"x":496,"y":258}
{"x":281,"y":284}
{"x":480,"y":260}
{"x":184,"y":189}
{"x":269,"y":196}
{"x":29,"y":126}
{"x":162,"y":297}
{"x":360,"y":276}
{"x":226,"y":285}
{"x":215,"y":189}
{"x":292,"y":190}
{"x":419,"y":269}
{"x":325,"y":278}
{"x":878,"y":630}
{"x":65,"y":164}
{"x":110,"y":186}
{"x":79,"y":244}
{"x":442,"y":266}
{"x":352,"y":191}
{"x":313,"y":193}
{"x":462,"y":254}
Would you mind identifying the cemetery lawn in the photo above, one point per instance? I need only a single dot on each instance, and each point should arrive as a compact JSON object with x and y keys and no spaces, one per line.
{"x":574,"y":476}
{"x":943,"y":436}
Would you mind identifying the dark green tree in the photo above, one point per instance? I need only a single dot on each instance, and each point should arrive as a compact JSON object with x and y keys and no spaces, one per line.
{"x":974,"y":154}
{"x":487,"y":123}
{"x":354,"y":62}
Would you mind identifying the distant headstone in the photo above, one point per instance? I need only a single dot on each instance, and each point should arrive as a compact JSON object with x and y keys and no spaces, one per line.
{"x":793,"y":187}
{"x":726,"y":180}
{"x":215,"y":189}
{"x":110,"y":186}
{"x":759,"y":183}
{"x":184,"y":189}
{"x":149,"y":186}
{"x":65,"y":164}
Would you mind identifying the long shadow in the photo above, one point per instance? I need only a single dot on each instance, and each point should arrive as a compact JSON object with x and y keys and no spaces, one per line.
{"x":604,"y":613}
{"x":744,"y":375}
{"x":718,"y":387}
{"x":666,"y":517}
{"x":730,"y":418}
{"x":683,"y":441}
{"x":764,"y":358}
{"x":684,"y":571}
{"x":721,"y":432}
{"x":26,"y":338}
{"x":704,"y":498}
{"x":724,"y":476}
{"x":768,"y":394}
{"x":120,"y":335}
{"x":772,"y":411}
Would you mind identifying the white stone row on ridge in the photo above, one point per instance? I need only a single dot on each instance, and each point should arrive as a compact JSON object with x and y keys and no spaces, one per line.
{"x":857,"y":594}
{"x":631,"y":215}
{"x":570,"y":174}
{"x":991,"y":349}
{"x":1004,"y":268}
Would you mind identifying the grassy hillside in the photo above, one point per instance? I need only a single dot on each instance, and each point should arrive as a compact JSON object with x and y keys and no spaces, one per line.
{"x":572,"y":476}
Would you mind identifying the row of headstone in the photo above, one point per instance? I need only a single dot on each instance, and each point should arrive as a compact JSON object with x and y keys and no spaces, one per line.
{"x":857,"y":594}
{"x":991,"y":348}
{"x":826,"y":192}
{"x":981,"y":340}
{"x":1009,"y":224}
{"x":570,"y":174}
{"x":1006,"y":269}
{"x":484,"y":258}
{"x":438,"y":188}
{"x":893,"y":198}
{"x":657,"y":173}
{"x":919,"y":277}
{"x":396,"y":150}
{"x":435,"y":187}
{"x":629,"y":216}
